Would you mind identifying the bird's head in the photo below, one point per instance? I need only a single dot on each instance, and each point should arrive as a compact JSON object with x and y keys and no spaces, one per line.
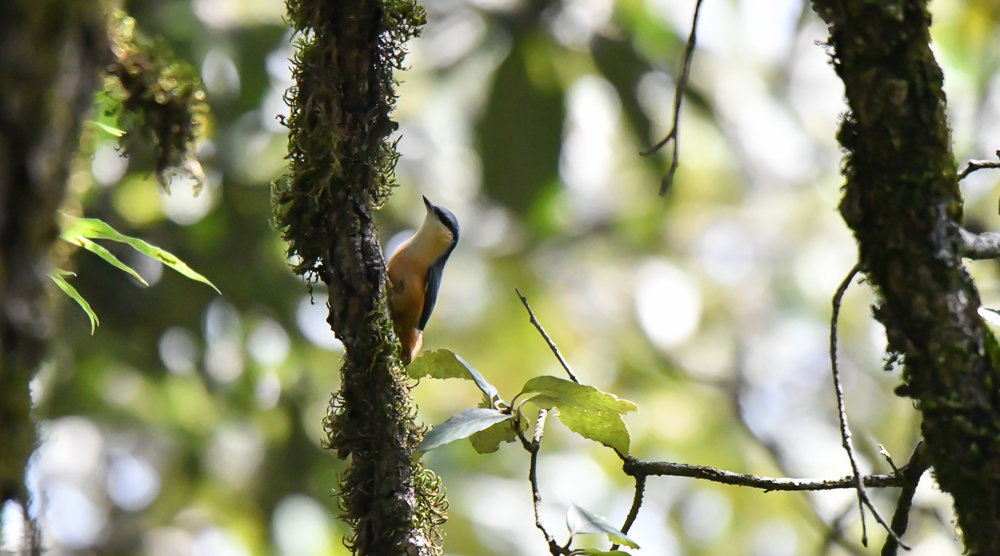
{"x":443,"y":219}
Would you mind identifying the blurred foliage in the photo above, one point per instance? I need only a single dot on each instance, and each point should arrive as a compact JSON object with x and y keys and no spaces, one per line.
{"x":707,"y":309}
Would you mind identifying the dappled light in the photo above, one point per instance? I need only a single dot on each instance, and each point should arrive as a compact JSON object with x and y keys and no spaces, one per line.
{"x":689,"y":329}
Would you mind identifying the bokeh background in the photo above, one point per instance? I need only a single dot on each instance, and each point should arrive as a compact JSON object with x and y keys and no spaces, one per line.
{"x":189,"y":424}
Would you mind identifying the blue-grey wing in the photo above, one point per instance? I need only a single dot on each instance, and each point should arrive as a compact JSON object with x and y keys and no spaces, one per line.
{"x":431,"y":289}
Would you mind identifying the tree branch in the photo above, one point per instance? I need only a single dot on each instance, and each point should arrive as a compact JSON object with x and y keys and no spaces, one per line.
{"x":640,"y":489}
{"x":536,"y":496}
{"x":845,"y":431}
{"x":976,"y":165}
{"x":901,"y":517}
{"x":635,"y":468}
{"x":979,"y":246}
{"x":903,"y":202}
{"x":678,"y":97}
{"x":548,"y":340}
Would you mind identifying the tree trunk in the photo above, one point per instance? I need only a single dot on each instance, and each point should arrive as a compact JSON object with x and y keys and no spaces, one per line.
{"x":903,"y":203}
{"x":340,"y":171}
{"x":50,"y":56}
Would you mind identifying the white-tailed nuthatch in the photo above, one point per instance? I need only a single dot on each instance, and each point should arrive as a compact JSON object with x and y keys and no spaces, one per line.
{"x":415,"y":276}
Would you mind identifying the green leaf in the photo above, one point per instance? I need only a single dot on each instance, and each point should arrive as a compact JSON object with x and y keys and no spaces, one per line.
{"x":112,"y":130}
{"x":579,"y":521}
{"x":69,"y":290}
{"x":92,"y":228}
{"x":107,"y":256}
{"x":488,"y":441}
{"x":445,"y":364}
{"x":585,"y":410}
{"x":460,"y":426}
{"x":596,"y":552}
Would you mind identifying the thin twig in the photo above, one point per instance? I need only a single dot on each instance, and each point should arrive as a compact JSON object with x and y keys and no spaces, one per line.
{"x":845,"y":430}
{"x":548,"y":340}
{"x":634,"y":468}
{"x":975,"y":165}
{"x":536,"y":496}
{"x":678,"y":96}
{"x":888,"y":458}
{"x":901,"y":517}
{"x":640,"y":489}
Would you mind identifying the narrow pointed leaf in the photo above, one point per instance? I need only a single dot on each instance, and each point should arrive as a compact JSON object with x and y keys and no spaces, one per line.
{"x":112,"y":130}
{"x":103,"y":253}
{"x":596,"y":552}
{"x":69,"y":290}
{"x":584,"y":410}
{"x":446,"y":364}
{"x":461,"y":425}
{"x":92,"y":228}
{"x":579,"y":521}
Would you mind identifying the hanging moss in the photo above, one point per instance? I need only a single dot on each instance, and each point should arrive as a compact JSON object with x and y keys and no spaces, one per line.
{"x":160,"y":97}
{"x":904,"y":205}
{"x":340,"y":169}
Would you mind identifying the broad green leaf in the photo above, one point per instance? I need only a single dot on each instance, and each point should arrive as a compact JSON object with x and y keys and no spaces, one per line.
{"x":460,"y":426}
{"x":488,"y":441}
{"x":579,"y":521}
{"x":107,"y":256}
{"x":585,"y":410}
{"x":596,"y":552}
{"x":92,"y":228}
{"x":445,"y":364}
{"x":69,"y":290}
{"x":112,"y":130}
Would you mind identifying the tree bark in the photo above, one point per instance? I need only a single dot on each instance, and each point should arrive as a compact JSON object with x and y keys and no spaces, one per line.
{"x":50,"y":56}
{"x":903,"y":203}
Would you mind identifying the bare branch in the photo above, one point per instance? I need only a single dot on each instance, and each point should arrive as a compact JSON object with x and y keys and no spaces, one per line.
{"x":975,"y":165}
{"x":979,"y":246}
{"x":635,"y":468}
{"x":845,"y":430}
{"x":901,"y":517}
{"x":640,"y":489}
{"x":548,"y":340}
{"x":536,"y":496}
{"x":678,"y":96}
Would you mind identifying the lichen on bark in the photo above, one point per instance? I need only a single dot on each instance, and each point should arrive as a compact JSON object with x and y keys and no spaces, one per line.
{"x":340,"y":171}
{"x":902,"y":200}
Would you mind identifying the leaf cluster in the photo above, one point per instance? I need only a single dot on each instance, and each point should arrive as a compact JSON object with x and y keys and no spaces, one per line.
{"x":585,"y":410}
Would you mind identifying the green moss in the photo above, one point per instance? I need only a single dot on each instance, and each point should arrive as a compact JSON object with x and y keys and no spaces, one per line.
{"x":902,"y":200}
{"x":160,"y":97}
{"x":340,"y":170}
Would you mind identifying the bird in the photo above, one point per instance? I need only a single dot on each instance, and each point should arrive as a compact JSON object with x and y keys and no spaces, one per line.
{"x":414,"y":274}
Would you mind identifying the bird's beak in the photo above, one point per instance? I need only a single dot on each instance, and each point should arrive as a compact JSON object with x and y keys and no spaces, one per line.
{"x":428,"y":204}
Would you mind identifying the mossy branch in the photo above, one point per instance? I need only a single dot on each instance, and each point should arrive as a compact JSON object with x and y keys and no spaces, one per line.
{"x":340,"y":171}
{"x":903,"y":203}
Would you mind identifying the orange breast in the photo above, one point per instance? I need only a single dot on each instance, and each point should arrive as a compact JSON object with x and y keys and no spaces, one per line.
{"x":406,"y":302}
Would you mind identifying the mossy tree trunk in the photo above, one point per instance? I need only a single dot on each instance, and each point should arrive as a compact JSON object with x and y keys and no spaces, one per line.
{"x":50,"y":57}
{"x":340,"y":171}
{"x":903,"y":203}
